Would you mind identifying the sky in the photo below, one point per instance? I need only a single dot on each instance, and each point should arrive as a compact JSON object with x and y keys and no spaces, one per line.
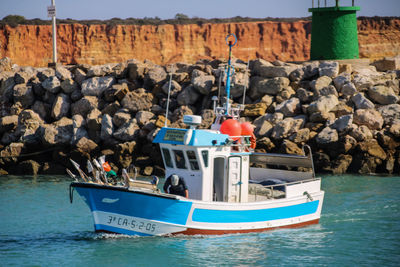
{"x":167,"y":9}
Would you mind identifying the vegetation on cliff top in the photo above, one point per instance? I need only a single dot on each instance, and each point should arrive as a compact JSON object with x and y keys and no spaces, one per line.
{"x":15,"y":20}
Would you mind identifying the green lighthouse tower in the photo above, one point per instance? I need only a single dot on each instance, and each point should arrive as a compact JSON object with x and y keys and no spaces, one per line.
{"x":334,"y":32}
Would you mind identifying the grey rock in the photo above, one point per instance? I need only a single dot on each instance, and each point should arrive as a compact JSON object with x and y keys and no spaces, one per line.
{"x":390,"y":113}
{"x":383,"y":95}
{"x":155,"y":75}
{"x":24,"y":76}
{"x":324,"y":104}
{"x":79,"y":76}
{"x":62,"y":73}
{"x":320,"y":83}
{"x":301,"y":136}
{"x":93,"y":120}
{"x":121,"y":117}
{"x":368,"y":117}
{"x":127,"y":132}
{"x":60,"y":106}
{"x":175,"y":88}
{"x":286,"y":127}
{"x":341,"y":80}
{"x":274,"y":71}
{"x":289,"y":108}
{"x":23,"y":94}
{"x":84,"y":105}
{"x":138,"y":100}
{"x":343,"y":123}
{"x":143,"y":117}
{"x":45,"y":73}
{"x":348,"y":89}
{"x":203,"y":84}
{"x":188,"y":96}
{"x":329,"y":68}
{"x":362,"y":102}
{"x":107,"y":128}
{"x":304,"y":95}
{"x":327,"y":136}
{"x":97,"y":85}
{"x":52,"y":84}
{"x":69,"y":85}
{"x":8,"y":123}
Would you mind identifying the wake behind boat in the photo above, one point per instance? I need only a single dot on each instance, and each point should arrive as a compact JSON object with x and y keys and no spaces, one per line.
{"x":231,"y":188}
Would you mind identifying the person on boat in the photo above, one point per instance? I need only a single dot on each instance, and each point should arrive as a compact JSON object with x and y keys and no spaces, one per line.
{"x":176,"y":185}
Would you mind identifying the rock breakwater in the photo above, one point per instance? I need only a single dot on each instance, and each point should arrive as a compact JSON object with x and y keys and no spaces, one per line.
{"x":348,"y":113}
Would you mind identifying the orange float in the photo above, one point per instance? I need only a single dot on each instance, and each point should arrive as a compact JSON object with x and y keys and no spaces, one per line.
{"x":231,"y":127}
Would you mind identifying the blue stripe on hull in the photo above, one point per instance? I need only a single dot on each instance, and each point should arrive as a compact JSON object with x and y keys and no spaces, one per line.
{"x":247,"y":216}
{"x":137,"y":205}
{"x":102,"y":227}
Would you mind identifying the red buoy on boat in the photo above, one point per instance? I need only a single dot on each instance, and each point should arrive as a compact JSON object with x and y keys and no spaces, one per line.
{"x":247,"y":128}
{"x":231,"y":127}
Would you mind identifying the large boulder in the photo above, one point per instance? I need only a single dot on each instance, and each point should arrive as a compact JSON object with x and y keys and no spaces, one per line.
{"x":260,"y":86}
{"x":23,"y":94}
{"x":362,"y":102}
{"x":107,"y":127}
{"x":188,"y":96}
{"x":203,"y":83}
{"x":323,"y":104}
{"x":329,"y":68}
{"x":343,"y":123}
{"x":266,"y":71}
{"x":84,"y":105}
{"x":368,"y":117}
{"x":97,"y":85}
{"x":327,"y":136}
{"x":69,"y":85}
{"x":138,"y":100}
{"x":383,"y":95}
{"x":52,"y":84}
{"x":175,"y":88}
{"x":390,"y":113}
{"x":128,"y":131}
{"x":290,"y":107}
{"x":60,"y":106}
{"x":154,"y":76}
{"x":287,"y":127}
{"x":62,"y":73}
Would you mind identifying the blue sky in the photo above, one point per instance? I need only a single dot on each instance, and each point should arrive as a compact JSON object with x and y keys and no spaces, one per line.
{"x":165,"y":9}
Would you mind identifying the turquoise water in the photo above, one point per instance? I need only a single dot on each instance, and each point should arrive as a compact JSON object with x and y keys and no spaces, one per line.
{"x":360,"y":226}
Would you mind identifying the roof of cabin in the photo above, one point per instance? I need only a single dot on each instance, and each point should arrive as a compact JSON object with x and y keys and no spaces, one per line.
{"x":200,"y":137}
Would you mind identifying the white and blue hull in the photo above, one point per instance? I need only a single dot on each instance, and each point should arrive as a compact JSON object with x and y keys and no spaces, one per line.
{"x":135,"y":212}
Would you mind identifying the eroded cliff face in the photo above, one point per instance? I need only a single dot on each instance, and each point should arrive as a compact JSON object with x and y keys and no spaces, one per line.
{"x":31,"y":45}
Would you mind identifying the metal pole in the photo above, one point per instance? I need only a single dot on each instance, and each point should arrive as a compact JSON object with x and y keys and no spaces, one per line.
{"x":169,"y":93}
{"x":54,"y":36}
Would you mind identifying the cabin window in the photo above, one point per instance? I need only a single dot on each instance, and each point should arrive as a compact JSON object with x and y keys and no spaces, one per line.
{"x":204,"y":154}
{"x":179,"y":159}
{"x":167,"y":158}
{"x":194,"y":165}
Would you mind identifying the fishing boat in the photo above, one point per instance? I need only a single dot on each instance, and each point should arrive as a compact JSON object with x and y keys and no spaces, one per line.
{"x":232,"y":189}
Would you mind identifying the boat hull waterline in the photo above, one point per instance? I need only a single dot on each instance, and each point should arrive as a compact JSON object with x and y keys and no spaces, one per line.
{"x":134,"y":212}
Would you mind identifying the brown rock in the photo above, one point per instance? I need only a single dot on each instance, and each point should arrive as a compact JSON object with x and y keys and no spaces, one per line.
{"x":372,"y":147}
{"x":254,"y":110}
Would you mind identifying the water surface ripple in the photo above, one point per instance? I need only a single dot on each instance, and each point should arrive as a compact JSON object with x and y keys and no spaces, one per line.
{"x":360,"y":226}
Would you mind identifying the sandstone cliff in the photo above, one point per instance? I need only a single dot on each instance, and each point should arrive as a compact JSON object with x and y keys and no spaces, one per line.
{"x":30,"y":45}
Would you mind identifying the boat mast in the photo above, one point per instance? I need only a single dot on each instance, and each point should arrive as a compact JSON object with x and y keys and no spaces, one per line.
{"x":228,"y":78}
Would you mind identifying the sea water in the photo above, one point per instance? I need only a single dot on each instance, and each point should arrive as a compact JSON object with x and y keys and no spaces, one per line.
{"x":359,"y":226}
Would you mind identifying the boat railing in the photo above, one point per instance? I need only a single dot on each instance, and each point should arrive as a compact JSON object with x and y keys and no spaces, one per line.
{"x":275,"y":190}
{"x":240,"y":143}
{"x":302,"y":161}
